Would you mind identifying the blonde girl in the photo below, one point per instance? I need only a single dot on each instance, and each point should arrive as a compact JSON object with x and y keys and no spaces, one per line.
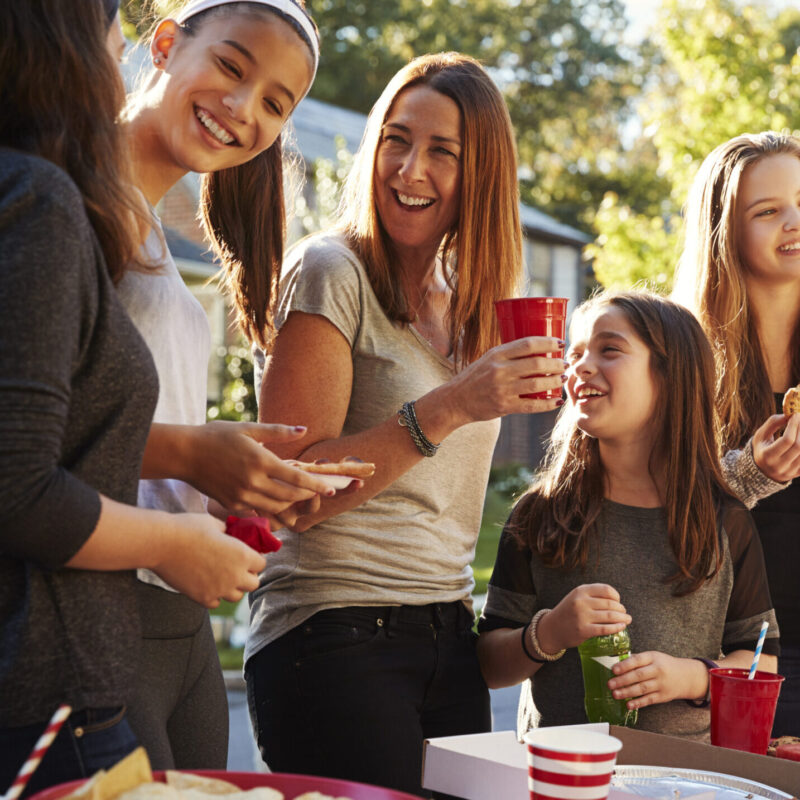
{"x":740,"y":274}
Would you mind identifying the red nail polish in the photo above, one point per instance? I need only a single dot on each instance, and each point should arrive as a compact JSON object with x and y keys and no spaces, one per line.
{"x":560,"y":402}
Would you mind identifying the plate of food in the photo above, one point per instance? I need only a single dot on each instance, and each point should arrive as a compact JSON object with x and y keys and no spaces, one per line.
{"x":337,"y":474}
{"x":671,"y":783}
{"x":132,"y":779}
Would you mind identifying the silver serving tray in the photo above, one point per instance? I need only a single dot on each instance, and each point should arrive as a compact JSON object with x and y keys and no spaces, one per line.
{"x":670,"y":783}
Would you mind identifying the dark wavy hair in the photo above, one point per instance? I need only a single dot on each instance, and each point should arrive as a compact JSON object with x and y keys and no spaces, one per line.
{"x":558,"y":516}
{"x":61,"y":93}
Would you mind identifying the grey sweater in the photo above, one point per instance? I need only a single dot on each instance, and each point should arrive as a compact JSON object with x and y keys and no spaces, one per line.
{"x":631,"y":552}
{"x":77,"y":392}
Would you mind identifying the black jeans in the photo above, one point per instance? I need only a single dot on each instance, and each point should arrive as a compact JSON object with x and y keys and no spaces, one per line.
{"x":353,"y":692}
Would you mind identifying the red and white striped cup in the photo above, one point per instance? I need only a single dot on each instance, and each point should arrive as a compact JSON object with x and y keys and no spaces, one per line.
{"x":570,"y":765}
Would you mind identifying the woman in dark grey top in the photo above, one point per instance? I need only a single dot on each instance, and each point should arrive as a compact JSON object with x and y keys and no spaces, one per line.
{"x":77,"y":393}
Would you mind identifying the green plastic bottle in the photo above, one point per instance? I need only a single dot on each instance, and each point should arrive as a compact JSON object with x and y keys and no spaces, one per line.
{"x":598,"y":656}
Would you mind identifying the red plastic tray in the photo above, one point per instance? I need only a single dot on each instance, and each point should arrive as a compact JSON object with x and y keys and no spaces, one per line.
{"x":291,"y":785}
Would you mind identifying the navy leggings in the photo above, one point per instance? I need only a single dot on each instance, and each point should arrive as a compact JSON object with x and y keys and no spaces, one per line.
{"x":91,"y":739}
{"x":353,"y":692}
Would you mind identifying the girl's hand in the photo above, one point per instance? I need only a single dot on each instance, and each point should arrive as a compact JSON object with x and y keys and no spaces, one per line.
{"x":230,"y":462}
{"x":491,"y":386}
{"x":654,"y":677}
{"x":593,"y":609}
{"x":202,"y":561}
{"x":778,"y":456}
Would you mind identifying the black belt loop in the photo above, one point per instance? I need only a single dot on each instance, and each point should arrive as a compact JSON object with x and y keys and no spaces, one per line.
{"x":389,"y":620}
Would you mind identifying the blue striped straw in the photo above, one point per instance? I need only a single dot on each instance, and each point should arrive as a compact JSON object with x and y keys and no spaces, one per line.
{"x":757,"y":654}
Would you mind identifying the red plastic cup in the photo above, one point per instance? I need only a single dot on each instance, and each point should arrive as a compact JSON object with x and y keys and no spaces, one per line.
{"x":519,"y":317}
{"x":569,"y":764}
{"x":742,"y":710}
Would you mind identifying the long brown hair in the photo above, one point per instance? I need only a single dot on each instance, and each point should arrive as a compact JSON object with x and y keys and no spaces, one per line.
{"x":483,"y":252}
{"x":244,"y":215}
{"x":61,"y":92}
{"x":710,"y":281}
{"x":558,"y":517}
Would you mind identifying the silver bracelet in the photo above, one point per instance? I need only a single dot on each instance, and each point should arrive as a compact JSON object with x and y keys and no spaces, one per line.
{"x":407,"y":418}
{"x":532,"y":630}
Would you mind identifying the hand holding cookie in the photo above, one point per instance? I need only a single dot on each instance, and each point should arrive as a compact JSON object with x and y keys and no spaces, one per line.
{"x":776,"y":444}
{"x":791,"y":401}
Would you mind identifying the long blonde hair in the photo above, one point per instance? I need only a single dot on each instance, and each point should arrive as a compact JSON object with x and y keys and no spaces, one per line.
{"x":710,"y":281}
{"x":483,"y":252}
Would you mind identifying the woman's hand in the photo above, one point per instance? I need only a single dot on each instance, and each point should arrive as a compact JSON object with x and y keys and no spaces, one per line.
{"x":231,"y":463}
{"x":202,"y":561}
{"x":492,"y":386}
{"x":778,"y":456}
{"x":654,"y":677}
{"x":593,"y":609}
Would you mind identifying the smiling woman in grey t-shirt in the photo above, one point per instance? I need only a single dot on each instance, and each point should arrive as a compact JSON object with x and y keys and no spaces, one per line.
{"x":360,"y":642}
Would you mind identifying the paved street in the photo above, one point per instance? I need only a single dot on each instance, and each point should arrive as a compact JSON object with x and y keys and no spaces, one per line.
{"x":242,"y":753}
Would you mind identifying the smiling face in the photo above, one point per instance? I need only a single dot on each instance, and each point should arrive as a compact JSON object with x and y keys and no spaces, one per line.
{"x":417,"y":180}
{"x":610,"y":382}
{"x":768,"y":219}
{"x":225,"y":90}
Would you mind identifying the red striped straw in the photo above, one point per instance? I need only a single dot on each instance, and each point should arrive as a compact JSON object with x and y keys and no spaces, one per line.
{"x":39,"y":749}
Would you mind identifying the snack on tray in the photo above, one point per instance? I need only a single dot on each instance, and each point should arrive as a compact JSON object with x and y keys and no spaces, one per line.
{"x":317,"y":796}
{"x":132,"y":779}
{"x":782,"y":741}
{"x":791,"y":401}
{"x":187,"y":780}
{"x":127,"y":774}
{"x":352,"y":467}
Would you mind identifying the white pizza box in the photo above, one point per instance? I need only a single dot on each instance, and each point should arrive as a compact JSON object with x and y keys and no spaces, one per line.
{"x":488,"y":766}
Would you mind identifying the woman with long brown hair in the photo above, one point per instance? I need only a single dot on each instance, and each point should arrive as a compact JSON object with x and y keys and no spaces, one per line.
{"x":225,"y":77}
{"x":386,"y":337}
{"x":77,"y":393}
{"x":740,"y":274}
{"x":629,"y":523}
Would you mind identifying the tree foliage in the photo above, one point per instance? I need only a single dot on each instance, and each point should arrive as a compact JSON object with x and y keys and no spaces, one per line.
{"x":567,"y":76}
{"x":725,"y":69}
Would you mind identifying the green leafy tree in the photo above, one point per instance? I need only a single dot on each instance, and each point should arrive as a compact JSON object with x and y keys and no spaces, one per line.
{"x":724,"y":70}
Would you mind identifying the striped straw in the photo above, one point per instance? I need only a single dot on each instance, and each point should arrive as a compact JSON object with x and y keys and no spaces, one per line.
{"x":757,"y":654}
{"x":39,"y":749}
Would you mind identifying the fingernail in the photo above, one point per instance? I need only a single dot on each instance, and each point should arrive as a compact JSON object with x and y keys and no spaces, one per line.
{"x":330,"y":492}
{"x":353,"y":458}
{"x":560,"y":402}
{"x":564,"y":378}
{"x":562,"y":343}
{"x":299,"y":428}
{"x":566,"y":364}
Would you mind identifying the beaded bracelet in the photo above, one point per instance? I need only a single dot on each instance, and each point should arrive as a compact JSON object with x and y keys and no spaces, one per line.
{"x":407,"y":418}
{"x":532,"y":628}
